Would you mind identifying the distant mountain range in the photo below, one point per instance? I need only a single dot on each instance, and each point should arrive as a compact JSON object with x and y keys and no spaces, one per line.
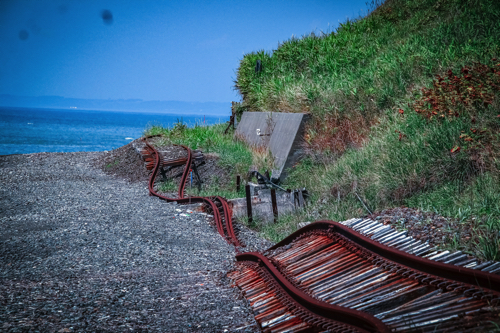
{"x":137,"y":105}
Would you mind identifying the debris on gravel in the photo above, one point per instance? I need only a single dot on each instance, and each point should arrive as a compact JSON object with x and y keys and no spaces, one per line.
{"x":425,"y":226}
{"x":251,"y":239}
{"x":124,"y":163}
{"x":81,"y":250}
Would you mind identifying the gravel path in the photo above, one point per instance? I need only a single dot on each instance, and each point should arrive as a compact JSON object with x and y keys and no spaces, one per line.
{"x":83,"y":251}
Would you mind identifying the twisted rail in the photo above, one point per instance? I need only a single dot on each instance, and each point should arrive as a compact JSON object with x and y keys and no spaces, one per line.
{"x":289,"y":303}
{"x":444,"y":275}
{"x":311,"y":311}
{"x":219,"y":206}
{"x":369,"y":286}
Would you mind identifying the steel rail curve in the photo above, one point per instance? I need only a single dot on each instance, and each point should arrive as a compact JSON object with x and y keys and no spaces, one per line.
{"x":323,"y":315}
{"x":433,"y":270}
{"x":223,"y":220}
{"x":328,"y":276}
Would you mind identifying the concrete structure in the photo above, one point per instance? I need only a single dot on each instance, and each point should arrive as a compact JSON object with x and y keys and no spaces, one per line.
{"x":281,"y":133}
{"x":262,"y":208}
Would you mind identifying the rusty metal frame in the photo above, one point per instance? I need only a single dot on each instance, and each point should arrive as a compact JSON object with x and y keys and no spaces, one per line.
{"x":445,"y":276}
{"x":225,"y":228}
{"x":320,"y":313}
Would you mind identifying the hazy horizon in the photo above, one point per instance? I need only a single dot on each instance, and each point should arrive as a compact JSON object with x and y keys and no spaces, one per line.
{"x":119,"y":105}
{"x":153,"y":51}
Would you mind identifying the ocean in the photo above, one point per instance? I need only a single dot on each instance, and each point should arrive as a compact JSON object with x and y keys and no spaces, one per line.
{"x":29,"y":130}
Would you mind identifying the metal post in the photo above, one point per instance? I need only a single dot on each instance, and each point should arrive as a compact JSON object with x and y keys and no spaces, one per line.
{"x":275,"y":205}
{"x":302,"y":202}
{"x":238,"y":183}
{"x":195,"y":169}
{"x":249,"y":204}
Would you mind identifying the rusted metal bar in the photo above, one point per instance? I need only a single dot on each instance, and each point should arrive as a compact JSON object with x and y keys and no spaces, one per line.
{"x":223,"y":223}
{"x":274,"y":204}
{"x":324,"y":314}
{"x":249,"y":204}
{"x":436,"y":269}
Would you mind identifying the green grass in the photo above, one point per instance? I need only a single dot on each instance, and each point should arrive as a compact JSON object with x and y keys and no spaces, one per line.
{"x":228,"y":191}
{"x":168,"y":185}
{"x":368,"y":65}
{"x":234,"y":157}
{"x":356,"y":81}
{"x":362,"y":85}
{"x":110,"y":165}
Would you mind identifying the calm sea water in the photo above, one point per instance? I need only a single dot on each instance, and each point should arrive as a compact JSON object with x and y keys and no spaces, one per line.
{"x":24,"y":130}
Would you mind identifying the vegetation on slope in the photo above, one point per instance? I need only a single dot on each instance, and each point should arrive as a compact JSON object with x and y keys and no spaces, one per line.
{"x":234,"y":157}
{"x":405,"y":111}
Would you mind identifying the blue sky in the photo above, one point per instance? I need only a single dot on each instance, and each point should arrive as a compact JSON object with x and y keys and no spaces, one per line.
{"x":150,"y":50}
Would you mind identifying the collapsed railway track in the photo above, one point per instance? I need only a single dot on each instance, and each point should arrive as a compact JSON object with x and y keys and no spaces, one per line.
{"x":218,"y":206}
{"x":354,"y":276}
{"x":336,"y":265}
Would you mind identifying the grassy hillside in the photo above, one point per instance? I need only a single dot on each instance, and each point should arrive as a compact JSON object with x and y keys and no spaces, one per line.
{"x":232,"y":157}
{"x":405,"y":112}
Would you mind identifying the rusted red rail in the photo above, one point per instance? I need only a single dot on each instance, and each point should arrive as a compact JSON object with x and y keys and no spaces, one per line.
{"x":218,"y":205}
{"x":354,"y":276}
{"x":397,"y":291}
{"x":309,"y":314}
{"x":177,"y":162}
{"x":312,"y":311}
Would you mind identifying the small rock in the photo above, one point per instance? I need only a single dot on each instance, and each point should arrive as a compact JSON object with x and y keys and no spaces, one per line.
{"x":303,"y":224}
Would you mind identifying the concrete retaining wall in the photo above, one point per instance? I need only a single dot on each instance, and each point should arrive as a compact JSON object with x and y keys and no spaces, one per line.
{"x":280,"y":132}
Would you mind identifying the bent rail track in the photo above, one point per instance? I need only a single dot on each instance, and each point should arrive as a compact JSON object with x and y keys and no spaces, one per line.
{"x":220,"y":208}
{"x":396,"y":291}
{"x":353,"y":276}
